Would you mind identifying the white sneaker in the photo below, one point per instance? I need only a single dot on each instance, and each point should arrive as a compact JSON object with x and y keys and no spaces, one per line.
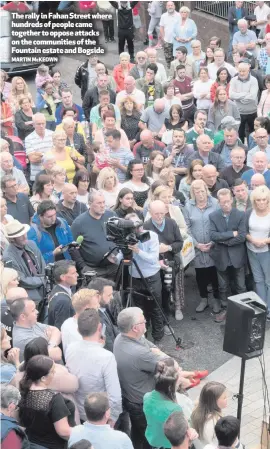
{"x":167,"y":330}
{"x":178,"y":315}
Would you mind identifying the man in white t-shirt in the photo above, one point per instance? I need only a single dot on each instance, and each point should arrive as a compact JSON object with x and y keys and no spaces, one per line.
{"x":261,"y":11}
{"x":131,"y":91}
{"x":219,"y":61}
{"x":166,"y":24}
{"x":81,"y":300}
{"x":37,"y":144}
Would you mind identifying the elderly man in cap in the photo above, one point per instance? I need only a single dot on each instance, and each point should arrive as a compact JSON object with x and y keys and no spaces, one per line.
{"x":24,"y":256}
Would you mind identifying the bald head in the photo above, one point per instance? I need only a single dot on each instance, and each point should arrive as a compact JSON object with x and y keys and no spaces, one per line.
{"x":159,"y":105}
{"x":257,"y":180}
{"x":147,"y":138}
{"x":209,"y":175}
{"x":69,"y":194}
{"x":15,"y":293}
{"x":259,"y":161}
{"x":129,"y":84}
{"x":157,"y":211}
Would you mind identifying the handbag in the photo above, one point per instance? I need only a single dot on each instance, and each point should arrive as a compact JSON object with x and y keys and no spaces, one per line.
{"x":187,"y":253}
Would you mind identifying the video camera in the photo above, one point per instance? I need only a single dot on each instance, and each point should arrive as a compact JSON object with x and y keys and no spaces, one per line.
{"x":125,"y":232}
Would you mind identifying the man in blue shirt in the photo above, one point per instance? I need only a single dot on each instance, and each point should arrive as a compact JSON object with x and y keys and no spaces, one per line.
{"x":259,"y":161}
{"x":67,"y":102}
{"x":146,"y":255}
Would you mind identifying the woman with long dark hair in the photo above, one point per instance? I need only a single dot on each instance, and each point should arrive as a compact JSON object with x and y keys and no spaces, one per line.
{"x":155,"y":164}
{"x":125,"y":204}
{"x":160,"y":403}
{"x":137,"y":181}
{"x":45,"y":414}
{"x":223,"y":79}
{"x":221,"y":108}
{"x":62,"y":381}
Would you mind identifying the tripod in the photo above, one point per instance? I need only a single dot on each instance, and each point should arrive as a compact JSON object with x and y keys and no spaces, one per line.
{"x":120,"y":282}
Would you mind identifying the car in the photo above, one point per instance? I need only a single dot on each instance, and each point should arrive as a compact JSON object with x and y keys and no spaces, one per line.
{"x":13,"y":68}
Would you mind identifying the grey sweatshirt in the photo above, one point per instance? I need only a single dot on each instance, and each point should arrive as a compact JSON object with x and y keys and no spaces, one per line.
{"x":245,"y":94}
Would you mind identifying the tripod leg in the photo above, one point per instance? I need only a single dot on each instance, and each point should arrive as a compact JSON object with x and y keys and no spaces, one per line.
{"x":177,"y":341}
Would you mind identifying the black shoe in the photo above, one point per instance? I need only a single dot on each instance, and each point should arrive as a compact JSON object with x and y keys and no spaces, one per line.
{"x":146,"y":42}
{"x":112,"y":39}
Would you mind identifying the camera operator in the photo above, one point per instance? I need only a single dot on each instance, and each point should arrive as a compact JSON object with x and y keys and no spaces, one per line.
{"x":146,"y":255}
{"x":25,"y":257}
{"x":50,"y":233}
{"x":91,"y":226}
{"x":170,"y":245}
{"x":60,"y":306}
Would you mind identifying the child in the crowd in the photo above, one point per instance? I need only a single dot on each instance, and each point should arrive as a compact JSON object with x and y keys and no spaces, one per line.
{"x":42,"y":76}
{"x":102,"y":155}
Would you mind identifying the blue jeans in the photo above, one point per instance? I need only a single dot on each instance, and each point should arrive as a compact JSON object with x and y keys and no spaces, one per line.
{"x":260,"y":267}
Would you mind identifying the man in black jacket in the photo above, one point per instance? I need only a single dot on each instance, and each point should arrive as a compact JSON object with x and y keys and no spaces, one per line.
{"x":91,"y":97}
{"x":210,"y":177}
{"x":228,"y":232}
{"x":231,"y":140}
{"x":105,"y":290}
{"x":125,"y":26}
{"x":170,"y":245}
{"x":69,"y":208}
{"x":86,"y":74}
{"x":60,"y":307}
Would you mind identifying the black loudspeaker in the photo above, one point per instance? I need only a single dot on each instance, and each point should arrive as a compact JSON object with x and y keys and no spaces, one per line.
{"x":245,"y":325}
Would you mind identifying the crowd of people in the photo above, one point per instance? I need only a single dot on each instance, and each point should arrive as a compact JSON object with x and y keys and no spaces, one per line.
{"x":166,"y":157}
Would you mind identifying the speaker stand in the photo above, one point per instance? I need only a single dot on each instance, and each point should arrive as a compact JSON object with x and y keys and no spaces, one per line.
{"x":240,"y":395}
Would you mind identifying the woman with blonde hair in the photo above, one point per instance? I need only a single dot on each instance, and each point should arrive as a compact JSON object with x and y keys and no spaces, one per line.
{"x":18,"y":89}
{"x":65,"y":156}
{"x":108,"y":184}
{"x":130,"y":117}
{"x":154,"y":165}
{"x":212,"y":400}
{"x":194,"y":172}
{"x":75,"y":140}
{"x":258,"y":242}
{"x":168,"y":178}
{"x":122,"y":70}
{"x":164,"y":194}
{"x":10,"y":279}
{"x":196,"y":213}
{"x":58,"y":175}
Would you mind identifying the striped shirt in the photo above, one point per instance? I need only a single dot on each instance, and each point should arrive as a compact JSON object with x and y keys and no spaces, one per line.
{"x":36,"y":144}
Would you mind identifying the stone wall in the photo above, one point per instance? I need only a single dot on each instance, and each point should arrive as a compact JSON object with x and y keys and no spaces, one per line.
{"x":209,"y":26}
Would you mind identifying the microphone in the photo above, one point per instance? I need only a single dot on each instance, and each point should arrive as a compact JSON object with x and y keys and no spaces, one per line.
{"x":79,"y":239}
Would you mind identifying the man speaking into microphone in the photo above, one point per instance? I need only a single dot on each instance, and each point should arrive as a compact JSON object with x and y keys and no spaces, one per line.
{"x":93,"y":249}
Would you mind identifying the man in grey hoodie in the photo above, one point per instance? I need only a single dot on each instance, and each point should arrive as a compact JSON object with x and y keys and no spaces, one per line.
{"x":244,"y":91}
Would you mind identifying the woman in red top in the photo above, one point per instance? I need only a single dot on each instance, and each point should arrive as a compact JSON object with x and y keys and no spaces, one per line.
{"x":122,"y":70}
{"x":223,"y":79}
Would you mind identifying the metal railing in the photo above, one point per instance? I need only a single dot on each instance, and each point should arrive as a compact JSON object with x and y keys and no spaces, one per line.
{"x":220,"y":9}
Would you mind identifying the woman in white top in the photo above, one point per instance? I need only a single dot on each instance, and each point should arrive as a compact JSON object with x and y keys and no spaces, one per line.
{"x":201,"y":89}
{"x":82,"y":181}
{"x":137,"y":181}
{"x":258,"y":242}
{"x":108,"y":184}
{"x":169,"y":95}
{"x":212,"y":400}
